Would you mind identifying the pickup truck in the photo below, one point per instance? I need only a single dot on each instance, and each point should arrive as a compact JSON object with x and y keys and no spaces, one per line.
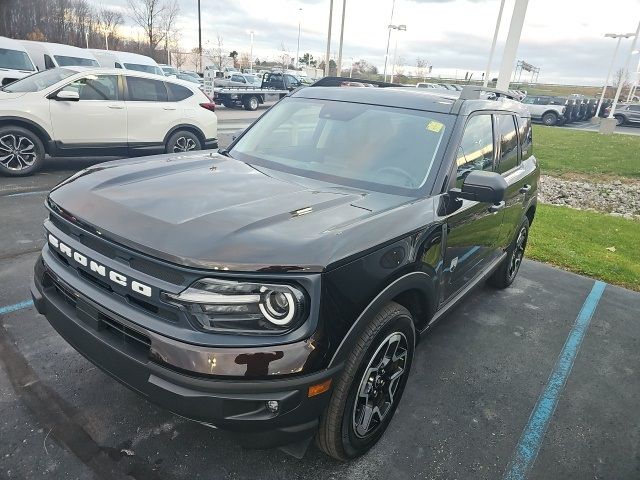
{"x":278,"y":289}
{"x":273,"y":87}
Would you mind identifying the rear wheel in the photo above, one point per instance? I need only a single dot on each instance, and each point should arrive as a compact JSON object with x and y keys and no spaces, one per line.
{"x":550,"y":119}
{"x":251,"y":103}
{"x":508,"y":269}
{"x":620,"y":120}
{"x":367,"y":394}
{"x":183,"y":141}
{"x":21,"y":151}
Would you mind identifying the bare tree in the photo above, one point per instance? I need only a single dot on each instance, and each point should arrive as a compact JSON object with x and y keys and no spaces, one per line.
{"x":156,"y":18}
{"x":422,"y":66}
{"x":111,"y":22}
{"x":218,"y":56}
{"x":180,"y":58}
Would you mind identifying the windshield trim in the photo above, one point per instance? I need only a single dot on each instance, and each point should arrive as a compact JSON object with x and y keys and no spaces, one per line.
{"x":449,"y":121}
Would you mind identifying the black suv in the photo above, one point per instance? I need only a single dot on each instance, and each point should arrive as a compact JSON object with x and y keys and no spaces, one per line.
{"x":277,"y":289}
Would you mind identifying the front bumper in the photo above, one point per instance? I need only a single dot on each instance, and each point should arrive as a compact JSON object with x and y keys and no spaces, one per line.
{"x":238,"y":406}
{"x":210,"y":143}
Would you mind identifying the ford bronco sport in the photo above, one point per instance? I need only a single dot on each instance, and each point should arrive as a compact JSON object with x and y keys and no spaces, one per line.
{"x":277,"y":289}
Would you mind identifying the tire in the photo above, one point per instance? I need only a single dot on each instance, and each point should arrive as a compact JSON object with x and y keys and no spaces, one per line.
{"x":620,"y":120}
{"x":342,"y":433}
{"x":21,"y":151}
{"x":251,"y":103}
{"x":550,"y":119}
{"x":183,"y":141}
{"x":508,"y":269}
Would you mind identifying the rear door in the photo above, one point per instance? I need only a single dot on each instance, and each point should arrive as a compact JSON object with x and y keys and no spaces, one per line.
{"x":150,"y":114}
{"x":473,"y":231}
{"x":634,"y":113}
{"x":97,"y":120}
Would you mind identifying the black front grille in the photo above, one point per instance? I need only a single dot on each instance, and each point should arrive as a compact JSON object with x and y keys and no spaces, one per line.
{"x":154,"y":270}
{"x":123,"y":334}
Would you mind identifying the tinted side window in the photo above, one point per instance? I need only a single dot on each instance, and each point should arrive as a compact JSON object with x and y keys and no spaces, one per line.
{"x":542,"y":101}
{"x":95,"y":87}
{"x":634,"y":108}
{"x":48,"y":63}
{"x":526,"y":137}
{"x":237,"y":78}
{"x":476,"y":147}
{"x":146,"y":90}
{"x":178,"y":92}
{"x":508,"y":142}
{"x":529,"y":100}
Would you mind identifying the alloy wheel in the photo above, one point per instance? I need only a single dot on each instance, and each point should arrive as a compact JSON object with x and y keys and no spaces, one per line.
{"x":377,"y":390}
{"x":253,"y":103}
{"x":184,"y":144}
{"x":17,"y":152}
{"x":518,"y":253}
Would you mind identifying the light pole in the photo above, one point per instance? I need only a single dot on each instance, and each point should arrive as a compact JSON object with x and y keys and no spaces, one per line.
{"x":326,"y":58}
{"x":400,"y":28}
{"x":619,"y":36}
{"x":511,"y":45}
{"x":200,"y":37}
{"x":635,"y":80}
{"x":493,"y":45}
{"x":344,"y":9}
{"x":298,"y":49}
{"x":624,"y":72}
{"x":386,"y":55}
{"x":251,"y":53}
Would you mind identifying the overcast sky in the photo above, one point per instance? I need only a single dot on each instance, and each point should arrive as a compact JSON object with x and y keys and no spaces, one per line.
{"x":565,"y":38}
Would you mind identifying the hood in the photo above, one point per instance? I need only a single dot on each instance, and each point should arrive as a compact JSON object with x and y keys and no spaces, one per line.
{"x":211,"y":211}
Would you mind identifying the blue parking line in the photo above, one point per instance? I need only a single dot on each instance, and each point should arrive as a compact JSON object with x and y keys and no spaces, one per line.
{"x":533,"y":434}
{"x":16,"y":307}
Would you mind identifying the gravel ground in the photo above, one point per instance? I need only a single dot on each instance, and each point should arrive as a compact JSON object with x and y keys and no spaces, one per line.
{"x":617,"y":198}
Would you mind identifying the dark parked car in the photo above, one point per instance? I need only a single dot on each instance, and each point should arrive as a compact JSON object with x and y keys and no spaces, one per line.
{"x":278,"y":289}
{"x":626,"y":113}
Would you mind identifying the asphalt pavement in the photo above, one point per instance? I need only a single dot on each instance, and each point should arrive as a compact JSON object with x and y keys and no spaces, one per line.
{"x":594,"y":127}
{"x":538,"y":381}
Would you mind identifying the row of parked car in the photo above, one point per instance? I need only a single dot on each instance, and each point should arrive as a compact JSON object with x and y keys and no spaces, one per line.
{"x":551,"y":110}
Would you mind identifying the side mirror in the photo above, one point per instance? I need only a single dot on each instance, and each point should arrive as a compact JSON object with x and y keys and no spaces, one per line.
{"x":481,"y":186}
{"x":67,"y":95}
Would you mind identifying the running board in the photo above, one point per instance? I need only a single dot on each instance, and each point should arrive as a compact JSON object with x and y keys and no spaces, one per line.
{"x":462,"y":293}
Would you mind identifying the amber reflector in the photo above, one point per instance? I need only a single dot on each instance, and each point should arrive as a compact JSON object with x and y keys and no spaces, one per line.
{"x":319,"y":388}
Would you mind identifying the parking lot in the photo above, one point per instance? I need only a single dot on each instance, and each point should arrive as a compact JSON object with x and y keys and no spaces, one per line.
{"x":476,"y":379}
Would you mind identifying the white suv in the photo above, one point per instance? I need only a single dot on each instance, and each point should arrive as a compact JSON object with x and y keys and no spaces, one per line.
{"x":76,"y":111}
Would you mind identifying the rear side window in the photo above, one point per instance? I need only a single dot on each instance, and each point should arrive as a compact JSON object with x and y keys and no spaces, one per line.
{"x":48,"y":63}
{"x":508,"y":142}
{"x":178,"y":92}
{"x":146,"y":90}
{"x":634,"y":108}
{"x":526,"y":137}
{"x":476,"y":148}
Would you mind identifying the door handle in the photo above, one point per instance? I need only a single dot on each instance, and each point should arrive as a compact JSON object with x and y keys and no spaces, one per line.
{"x":525,"y":189}
{"x":496,"y":207}
{"x":116,"y":107}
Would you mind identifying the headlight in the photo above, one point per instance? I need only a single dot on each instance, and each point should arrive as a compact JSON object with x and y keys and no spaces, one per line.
{"x":228,"y":306}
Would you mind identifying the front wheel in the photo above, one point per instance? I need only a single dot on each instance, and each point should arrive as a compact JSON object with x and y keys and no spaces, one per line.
{"x":251,"y":103}
{"x":550,"y":119}
{"x":21,"y":151}
{"x":508,"y":269}
{"x":367,"y":394}
{"x":183,"y":141}
{"x":620,"y":120}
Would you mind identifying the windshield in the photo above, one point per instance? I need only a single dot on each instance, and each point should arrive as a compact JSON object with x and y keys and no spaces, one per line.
{"x":143,"y":68}
{"x":15,"y":60}
{"x":65,"y":61}
{"x":187,"y":78}
{"x":39,"y":81}
{"x":252,"y":79}
{"x":169,"y":71}
{"x":364,"y":146}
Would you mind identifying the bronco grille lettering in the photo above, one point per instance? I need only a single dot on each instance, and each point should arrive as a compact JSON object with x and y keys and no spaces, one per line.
{"x":115,"y":277}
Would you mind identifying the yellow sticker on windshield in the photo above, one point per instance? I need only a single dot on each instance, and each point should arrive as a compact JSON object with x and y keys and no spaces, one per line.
{"x":434,"y":126}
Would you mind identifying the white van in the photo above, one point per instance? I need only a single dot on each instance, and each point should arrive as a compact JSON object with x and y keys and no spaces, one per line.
{"x":51,"y":55}
{"x":15,"y":62}
{"x":126,"y":61}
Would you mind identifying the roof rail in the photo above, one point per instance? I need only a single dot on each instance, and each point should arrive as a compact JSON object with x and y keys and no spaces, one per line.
{"x":338,"y":81}
{"x":472,"y":92}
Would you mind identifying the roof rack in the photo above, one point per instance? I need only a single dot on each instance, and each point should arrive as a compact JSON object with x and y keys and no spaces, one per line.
{"x":338,"y":81}
{"x":472,"y":92}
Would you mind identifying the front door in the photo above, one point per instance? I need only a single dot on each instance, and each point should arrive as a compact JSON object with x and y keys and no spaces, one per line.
{"x":98,"y":121}
{"x":473,"y":231}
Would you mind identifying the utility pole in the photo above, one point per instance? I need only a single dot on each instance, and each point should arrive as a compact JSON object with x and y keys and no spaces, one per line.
{"x":200,"y":37}
{"x":326,"y":58}
{"x":511,"y":47}
{"x":493,"y":45}
{"x":251,"y":53}
{"x":344,"y":9}
{"x":298,"y":49}
{"x":386,"y":55}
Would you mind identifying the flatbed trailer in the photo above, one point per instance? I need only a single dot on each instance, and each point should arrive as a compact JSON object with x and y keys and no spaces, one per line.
{"x":248,"y":97}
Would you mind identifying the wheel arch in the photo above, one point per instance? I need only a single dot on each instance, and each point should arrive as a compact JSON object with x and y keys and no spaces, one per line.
{"x":33,"y":127}
{"x":189,"y":128}
{"x":415,"y":291}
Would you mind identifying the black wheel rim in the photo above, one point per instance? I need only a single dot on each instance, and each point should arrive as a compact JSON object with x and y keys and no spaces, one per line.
{"x":376,"y":395}
{"x":17,"y":152}
{"x":518,"y":253}
{"x":184,"y":144}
